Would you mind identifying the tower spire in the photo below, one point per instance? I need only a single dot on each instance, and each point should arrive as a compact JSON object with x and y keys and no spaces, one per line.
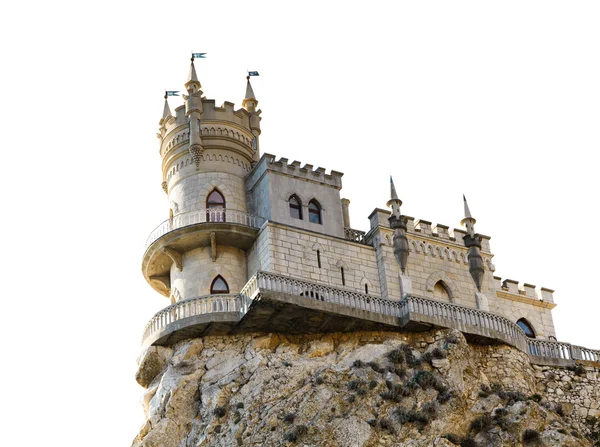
{"x":473,"y":243}
{"x":166,"y":110}
{"x":398,"y":223}
{"x":193,"y":84}
{"x":468,"y":221}
{"x":249,"y":102}
{"x":395,"y":203}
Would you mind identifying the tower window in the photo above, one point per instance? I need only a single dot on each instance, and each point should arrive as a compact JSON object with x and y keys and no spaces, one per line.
{"x":219,"y":285}
{"x":319,"y":258}
{"x":314,"y":212}
{"x":295,"y":207}
{"x":343,"y":277}
{"x":215,"y":207}
{"x":366,"y":289}
{"x":524,"y":324}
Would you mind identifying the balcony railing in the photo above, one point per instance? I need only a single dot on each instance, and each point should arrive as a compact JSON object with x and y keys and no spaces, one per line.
{"x":212,"y":215}
{"x":192,"y":307}
{"x":355,"y":235}
{"x":410,"y":308}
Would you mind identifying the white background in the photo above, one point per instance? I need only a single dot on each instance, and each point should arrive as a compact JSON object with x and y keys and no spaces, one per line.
{"x":497,"y":100}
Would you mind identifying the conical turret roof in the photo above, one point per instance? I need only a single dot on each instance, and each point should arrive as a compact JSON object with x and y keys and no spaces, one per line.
{"x":166,"y":111}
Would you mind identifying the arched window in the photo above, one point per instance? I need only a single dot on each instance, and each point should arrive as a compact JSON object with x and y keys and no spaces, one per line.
{"x":215,"y":207}
{"x":219,"y":285}
{"x":527,"y":328}
{"x":440,"y":291}
{"x":295,"y":207}
{"x":314,"y":212}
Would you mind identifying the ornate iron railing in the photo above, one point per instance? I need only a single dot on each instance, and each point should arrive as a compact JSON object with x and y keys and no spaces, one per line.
{"x":355,"y":235}
{"x":212,"y":215}
{"x":410,"y":308}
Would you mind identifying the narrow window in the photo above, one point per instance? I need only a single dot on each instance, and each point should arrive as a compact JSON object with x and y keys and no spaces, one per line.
{"x":343,"y":277}
{"x":219,"y":285}
{"x":319,"y":258}
{"x":215,"y":207}
{"x":295,"y":207}
{"x":367,"y":289}
{"x":314,"y":212}
{"x":524,"y":324}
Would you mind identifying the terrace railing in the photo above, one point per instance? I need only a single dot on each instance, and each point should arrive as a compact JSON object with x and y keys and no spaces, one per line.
{"x":210,"y":215}
{"x":410,"y":308}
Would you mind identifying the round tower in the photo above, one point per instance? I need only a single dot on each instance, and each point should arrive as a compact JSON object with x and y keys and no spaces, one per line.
{"x":206,"y":152}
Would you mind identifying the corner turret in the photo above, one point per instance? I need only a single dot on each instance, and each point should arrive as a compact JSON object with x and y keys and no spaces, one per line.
{"x":193,"y":110}
{"x":473,"y":243}
{"x":401,"y":246}
{"x":250,"y":103}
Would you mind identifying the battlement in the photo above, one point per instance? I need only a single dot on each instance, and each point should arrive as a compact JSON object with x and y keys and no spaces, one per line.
{"x":524,"y":289}
{"x":223,"y":121}
{"x":305,"y":172}
{"x":425,"y":229}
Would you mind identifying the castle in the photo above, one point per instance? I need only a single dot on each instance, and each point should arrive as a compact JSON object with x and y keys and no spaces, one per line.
{"x":256,"y":243}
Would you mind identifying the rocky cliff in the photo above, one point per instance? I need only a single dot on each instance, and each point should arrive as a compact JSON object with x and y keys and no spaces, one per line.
{"x":361,"y":389}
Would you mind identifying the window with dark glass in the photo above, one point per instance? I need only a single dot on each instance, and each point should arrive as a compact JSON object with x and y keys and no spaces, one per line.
{"x":343,"y":277}
{"x":219,"y":285}
{"x":295,"y":207}
{"x":314,"y":212}
{"x":524,"y":324}
{"x":319,"y":258}
{"x":215,"y":207}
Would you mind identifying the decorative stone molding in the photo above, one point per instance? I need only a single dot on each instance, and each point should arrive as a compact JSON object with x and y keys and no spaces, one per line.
{"x":196,"y":152}
{"x":441,"y":276}
{"x":165,"y":281}
{"x":213,"y":246}
{"x":175,"y":256}
{"x":165,"y":187}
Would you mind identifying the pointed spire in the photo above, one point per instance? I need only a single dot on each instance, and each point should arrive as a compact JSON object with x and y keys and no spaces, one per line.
{"x":167,"y":110}
{"x":467,"y":211}
{"x":468,"y":221}
{"x":192,"y":80}
{"x":394,"y":195}
{"x":249,"y":102}
{"x":249,"y":91}
{"x":395,"y":203}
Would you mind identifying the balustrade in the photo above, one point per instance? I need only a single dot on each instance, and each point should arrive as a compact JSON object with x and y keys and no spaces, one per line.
{"x":210,"y":215}
{"x":355,"y":235}
{"x":446,"y":314}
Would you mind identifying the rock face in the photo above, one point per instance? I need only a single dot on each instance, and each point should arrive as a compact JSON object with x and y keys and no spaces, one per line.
{"x":353,"y":390}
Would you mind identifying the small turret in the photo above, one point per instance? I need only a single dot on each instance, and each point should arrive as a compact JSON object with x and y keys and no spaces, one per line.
{"x":193,"y":110}
{"x":193,"y":84}
{"x":398,"y":223}
{"x":250,"y":103}
{"x":473,"y":242}
{"x":468,"y":221}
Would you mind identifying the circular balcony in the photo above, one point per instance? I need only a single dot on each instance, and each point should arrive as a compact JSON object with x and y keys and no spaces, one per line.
{"x":194,"y":229}
{"x":194,"y":317}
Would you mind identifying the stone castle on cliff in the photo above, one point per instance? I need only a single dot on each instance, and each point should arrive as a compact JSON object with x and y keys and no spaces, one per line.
{"x":256,"y":243}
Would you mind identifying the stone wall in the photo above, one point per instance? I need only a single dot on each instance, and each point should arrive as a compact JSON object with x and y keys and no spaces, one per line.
{"x":573,"y":392}
{"x":199,"y":271}
{"x":293,"y":252}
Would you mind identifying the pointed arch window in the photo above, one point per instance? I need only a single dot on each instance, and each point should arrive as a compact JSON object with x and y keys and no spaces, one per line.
{"x":215,"y":206}
{"x":527,"y":328}
{"x":295,"y":207}
{"x":219,"y":285}
{"x":314,"y":212}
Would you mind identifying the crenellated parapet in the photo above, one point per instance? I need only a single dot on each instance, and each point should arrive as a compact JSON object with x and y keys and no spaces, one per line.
{"x":506,"y":287}
{"x":306,"y":172}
